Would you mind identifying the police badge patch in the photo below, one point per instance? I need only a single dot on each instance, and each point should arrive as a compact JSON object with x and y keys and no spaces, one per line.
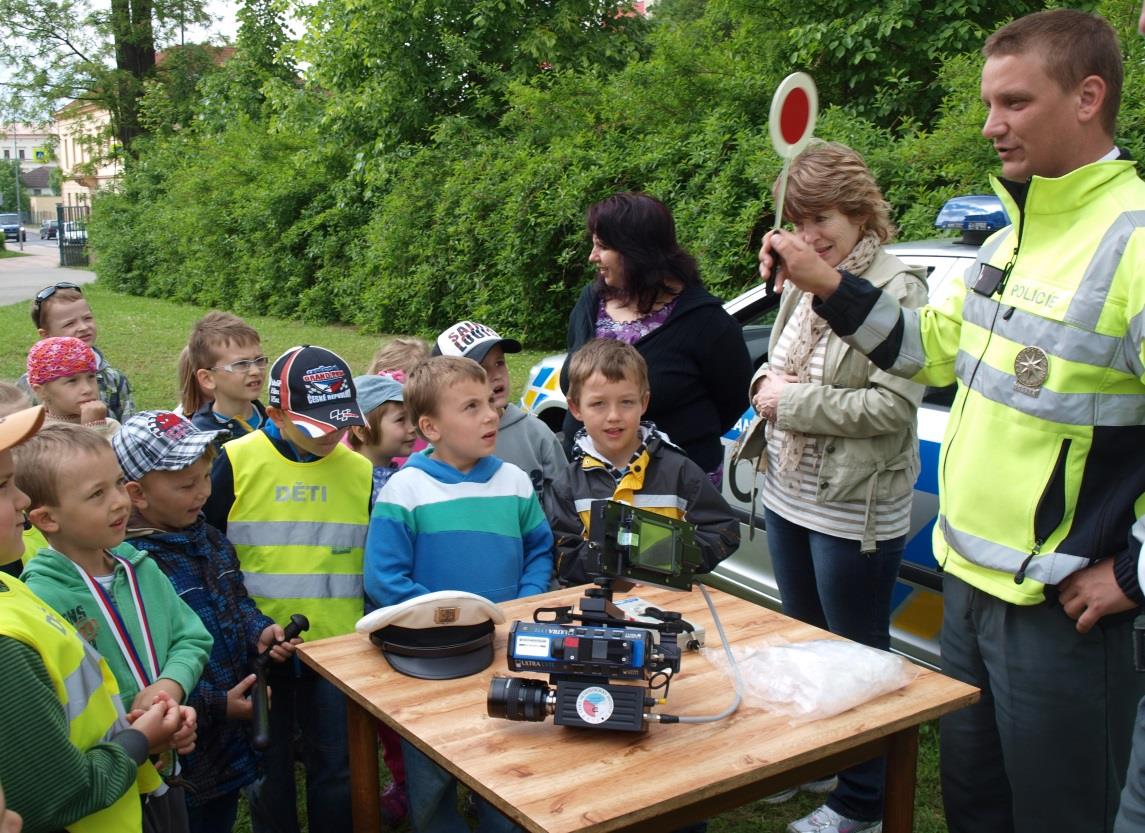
{"x":1031,"y":367}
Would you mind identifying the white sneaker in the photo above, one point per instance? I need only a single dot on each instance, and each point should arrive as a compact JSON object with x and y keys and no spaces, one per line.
{"x":822,"y":786}
{"x":826,"y":820}
{"x":781,"y":796}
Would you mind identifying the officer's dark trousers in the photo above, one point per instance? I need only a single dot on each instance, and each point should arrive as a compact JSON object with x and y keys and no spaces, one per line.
{"x":1046,"y":747}
{"x":1131,"y":814}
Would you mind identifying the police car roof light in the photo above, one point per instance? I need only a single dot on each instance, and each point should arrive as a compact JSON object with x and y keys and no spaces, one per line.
{"x":976,"y":215}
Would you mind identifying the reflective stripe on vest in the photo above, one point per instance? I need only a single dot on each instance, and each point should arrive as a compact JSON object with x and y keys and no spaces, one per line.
{"x":81,"y":685}
{"x":1092,"y":293}
{"x":1069,"y":408}
{"x":304,"y":586}
{"x":912,"y":355}
{"x":299,"y":530}
{"x":86,"y":689}
{"x":1046,"y":567}
{"x":296,"y":533}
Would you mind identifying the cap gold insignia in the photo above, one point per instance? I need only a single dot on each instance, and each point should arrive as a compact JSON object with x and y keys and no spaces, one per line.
{"x":446,"y":615}
{"x":1031,"y":367}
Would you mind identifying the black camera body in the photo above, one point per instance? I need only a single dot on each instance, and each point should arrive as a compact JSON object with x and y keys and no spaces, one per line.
{"x":634,"y":544}
{"x":585,"y":652}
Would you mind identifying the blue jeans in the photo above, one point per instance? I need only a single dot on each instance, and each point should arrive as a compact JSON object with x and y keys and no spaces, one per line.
{"x":433,"y":799}
{"x":216,"y":815}
{"x":827,"y":582}
{"x":306,"y":707}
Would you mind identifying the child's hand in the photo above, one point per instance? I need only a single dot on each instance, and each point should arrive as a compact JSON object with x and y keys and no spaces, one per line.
{"x":158,"y":723}
{"x":281,"y":652}
{"x":238,"y":702}
{"x":94,"y":411}
{"x":183,"y":741}
{"x":147,"y":696}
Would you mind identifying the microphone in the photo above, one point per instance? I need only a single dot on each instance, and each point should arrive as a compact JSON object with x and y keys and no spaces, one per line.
{"x":27,"y":522}
{"x":260,"y":703}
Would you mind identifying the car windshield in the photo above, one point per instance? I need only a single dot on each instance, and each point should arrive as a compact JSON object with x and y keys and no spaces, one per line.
{"x":9,"y":219}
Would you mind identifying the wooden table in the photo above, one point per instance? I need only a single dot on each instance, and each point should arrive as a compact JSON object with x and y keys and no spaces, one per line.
{"x":554,"y":779}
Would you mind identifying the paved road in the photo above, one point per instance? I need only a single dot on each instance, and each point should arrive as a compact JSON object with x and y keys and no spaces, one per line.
{"x":22,"y":277}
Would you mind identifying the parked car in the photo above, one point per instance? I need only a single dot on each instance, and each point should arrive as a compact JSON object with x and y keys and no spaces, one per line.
{"x":74,"y":232}
{"x":48,"y":229}
{"x":917,"y":613}
{"x":13,"y":230}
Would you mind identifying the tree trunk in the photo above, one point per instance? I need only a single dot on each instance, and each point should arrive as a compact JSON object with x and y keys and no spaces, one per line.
{"x":134,"y":38}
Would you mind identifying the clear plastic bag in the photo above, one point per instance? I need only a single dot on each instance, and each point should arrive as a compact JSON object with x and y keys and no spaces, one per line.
{"x":810,"y":680}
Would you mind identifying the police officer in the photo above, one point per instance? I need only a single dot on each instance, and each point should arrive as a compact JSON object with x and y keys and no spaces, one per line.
{"x":1042,"y":463}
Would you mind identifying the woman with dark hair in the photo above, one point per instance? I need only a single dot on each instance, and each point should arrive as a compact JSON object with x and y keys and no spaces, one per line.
{"x":648,"y":293}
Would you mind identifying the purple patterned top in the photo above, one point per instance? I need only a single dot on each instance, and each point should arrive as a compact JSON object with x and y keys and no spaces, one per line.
{"x":630,"y":332}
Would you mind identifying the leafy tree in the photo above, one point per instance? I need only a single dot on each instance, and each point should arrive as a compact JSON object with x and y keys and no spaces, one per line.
{"x":881,"y":60}
{"x":9,"y":168}
{"x":394,"y":67}
{"x":404,"y":203}
{"x":61,"y":50}
{"x":262,"y":68}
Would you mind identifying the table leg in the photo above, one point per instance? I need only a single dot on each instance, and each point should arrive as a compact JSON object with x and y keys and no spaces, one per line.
{"x":902,"y":763}
{"x":363,"y":743}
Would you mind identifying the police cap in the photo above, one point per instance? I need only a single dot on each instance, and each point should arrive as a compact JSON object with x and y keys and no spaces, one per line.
{"x":438,"y":636}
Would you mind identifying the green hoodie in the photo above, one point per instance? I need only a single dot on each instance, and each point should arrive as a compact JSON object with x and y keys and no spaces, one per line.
{"x":182,"y":644}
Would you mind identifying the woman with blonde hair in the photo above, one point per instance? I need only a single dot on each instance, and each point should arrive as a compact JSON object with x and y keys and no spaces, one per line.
{"x":842,"y":452}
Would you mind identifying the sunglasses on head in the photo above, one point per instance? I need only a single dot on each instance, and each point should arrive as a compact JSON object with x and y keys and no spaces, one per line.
{"x":48,"y":291}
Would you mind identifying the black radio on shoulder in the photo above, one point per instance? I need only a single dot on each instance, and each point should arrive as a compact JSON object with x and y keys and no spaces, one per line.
{"x":988,"y":280}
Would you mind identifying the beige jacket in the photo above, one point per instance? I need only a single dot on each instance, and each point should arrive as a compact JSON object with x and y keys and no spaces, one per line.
{"x":863,"y":419}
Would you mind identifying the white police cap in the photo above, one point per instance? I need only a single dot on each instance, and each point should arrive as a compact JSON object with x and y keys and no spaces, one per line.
{"x":438,"y":636}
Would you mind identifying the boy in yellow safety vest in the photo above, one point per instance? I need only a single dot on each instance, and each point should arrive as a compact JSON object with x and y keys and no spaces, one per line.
{"x":295,"y":502}
{"x":68,"y":756}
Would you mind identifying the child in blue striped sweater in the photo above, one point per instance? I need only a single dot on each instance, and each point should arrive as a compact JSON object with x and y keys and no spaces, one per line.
{"x":454,"y":518}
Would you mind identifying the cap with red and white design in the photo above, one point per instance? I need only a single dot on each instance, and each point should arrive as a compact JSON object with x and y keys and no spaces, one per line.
{"x":315,"y":388}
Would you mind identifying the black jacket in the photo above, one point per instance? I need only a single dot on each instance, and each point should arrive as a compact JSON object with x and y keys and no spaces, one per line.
{"x":698,"y":368}
{"x":661,"y":480}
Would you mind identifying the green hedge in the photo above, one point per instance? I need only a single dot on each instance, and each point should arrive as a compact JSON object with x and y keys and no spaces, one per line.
{"x":485,"y":219}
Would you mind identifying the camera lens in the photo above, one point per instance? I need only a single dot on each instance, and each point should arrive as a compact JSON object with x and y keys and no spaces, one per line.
{"x":518,"y":698}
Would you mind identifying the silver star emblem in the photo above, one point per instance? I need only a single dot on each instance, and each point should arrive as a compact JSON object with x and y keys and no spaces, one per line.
{"x":1031,"y":366}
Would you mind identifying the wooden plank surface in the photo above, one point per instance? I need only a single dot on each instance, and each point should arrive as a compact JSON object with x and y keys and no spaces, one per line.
{"x":554,"y":779}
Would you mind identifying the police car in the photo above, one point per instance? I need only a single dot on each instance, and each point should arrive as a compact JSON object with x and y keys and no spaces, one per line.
{"x":917,"y":602}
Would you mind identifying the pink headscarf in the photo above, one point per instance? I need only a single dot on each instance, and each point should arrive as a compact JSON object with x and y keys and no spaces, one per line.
{"x":59,"y":357}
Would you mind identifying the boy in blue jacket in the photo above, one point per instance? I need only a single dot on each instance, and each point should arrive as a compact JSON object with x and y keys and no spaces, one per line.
{"x":454,"y":518}
{"x":167,"y":463}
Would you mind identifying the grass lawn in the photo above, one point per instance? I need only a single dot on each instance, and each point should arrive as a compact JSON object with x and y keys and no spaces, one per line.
{"x":6,"y":252}
{"x":143,"y":337}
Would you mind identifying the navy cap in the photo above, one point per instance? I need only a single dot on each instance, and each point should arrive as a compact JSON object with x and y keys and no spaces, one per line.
{"x":315,"y":388}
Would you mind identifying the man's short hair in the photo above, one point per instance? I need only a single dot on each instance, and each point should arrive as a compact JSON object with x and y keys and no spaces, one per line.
{"x":612,"y":359}
{"x":1074,"y":45}
{"x":423,"y":389}
{"x":42,"y":462}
